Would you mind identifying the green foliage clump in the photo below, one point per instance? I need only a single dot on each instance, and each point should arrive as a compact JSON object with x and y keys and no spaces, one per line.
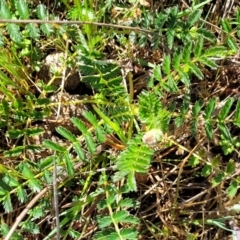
{"x":118,"y":138}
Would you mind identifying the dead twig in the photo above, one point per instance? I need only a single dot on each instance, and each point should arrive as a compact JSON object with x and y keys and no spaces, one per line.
{"x":24,"y":212}
{"x":32,"y":203}
{"x":36,"y":21}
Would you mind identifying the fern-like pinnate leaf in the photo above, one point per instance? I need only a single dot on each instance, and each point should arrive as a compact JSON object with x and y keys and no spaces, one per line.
{"x":101,"y":75}
{"x":7,"y":204}
{"x":35,"y":185}
{"x":231,"y":166}
{"x":22,"y":194}
{"x":161,"y":19}
{"x":157,"y":73}
{"x":74,"y":234}
{"x":33,"y":30}
{"x":171,"y":23}
{"x":54,"y":146}
{"x":170,"y":37}
{"x":43,"y":15}
{"x":184,"y":77}
{"x":232,"y":190}
{"x":195,"y":69}
{"x":14,"y":151}
{"x":177,"y":57}
{"x":198,"y":47}
{"x":66,"y":133}
{"x":82,"y":40}
{"x":225,"y":132}
{"x":22,"y":8}
{"x":69,"y":165}
{"x":208,"y":62}
{"x":207,"y":116}
{"x":195,"y":111}
{"x":26,"y":171}
{"x":103,"y":234}
{"x":207,"y":34}
{"x":226,"y":25}
{"x":232,"y":43}
{"x":30,"y":227}
{"x":5,"y":12}
{"x":136,"y":158}
{"x":167,"y":64}
{"x":187,"y":52}
{"x":37,"y":212}
{"x":209,"y":129}
{"x":4,"y":189}
{"x":47,"y":176}
{"x":117,"y":217}
{"x":91,"y":145}
{"x":78,"y":149}
{"x":225,"y":109}
{"x":10,"y":181}
{"x":165,"y":86}
{"x":149,"y":105}
{"x":237,"y":114}
{"x":90,"y":117}
{"x":79,"y":124}
{"x":152,"y":113}
{"x":125,"y":234}
{"x":129,"y":233}
{"x":209,"y":109}
{"x":42,"y":11}
{"x":14,"y":32}
{"x":15,"y":133}
{"x":218,"y":51}
{"x":124,"y":217}
{"x":105,"y":221}
{"x":193,"y":17}
{"x":126,"y":203}
{"x":47,"y":29}
{"x":100,"y":134}
{"x":172,"y":84}
{"x":31,"y":132}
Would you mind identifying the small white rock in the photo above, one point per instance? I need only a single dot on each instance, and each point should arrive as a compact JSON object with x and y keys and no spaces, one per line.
{"x":152,"y":137}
